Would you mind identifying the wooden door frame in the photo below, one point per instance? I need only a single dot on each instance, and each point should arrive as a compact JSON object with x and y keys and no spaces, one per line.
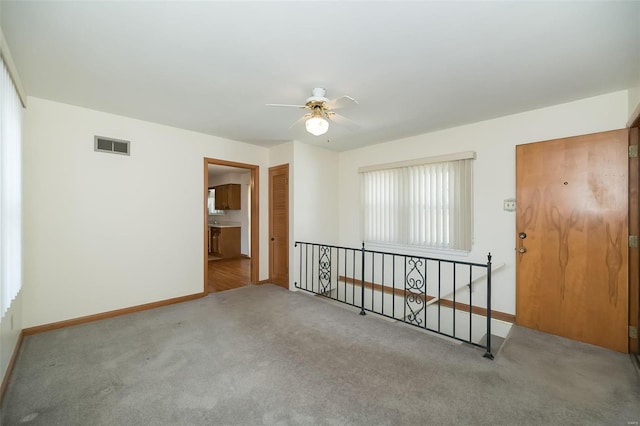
{"x":255,"y":215}
{"x":275,"y":168}
{"x":634,"y":229}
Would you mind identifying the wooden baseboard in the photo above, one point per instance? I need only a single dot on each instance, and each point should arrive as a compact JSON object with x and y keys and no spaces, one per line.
{"x":503,"y":316}
{"x":109,"y":314}
{"x":12,"y":361}
{"x":264,"y":281}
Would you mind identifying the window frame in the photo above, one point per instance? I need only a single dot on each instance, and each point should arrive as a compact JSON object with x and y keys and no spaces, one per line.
{"x":465,"y":213}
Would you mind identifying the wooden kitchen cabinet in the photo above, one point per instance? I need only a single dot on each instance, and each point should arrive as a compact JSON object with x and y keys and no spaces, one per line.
{"x":227,"y":196}
{"x":225,"y":242}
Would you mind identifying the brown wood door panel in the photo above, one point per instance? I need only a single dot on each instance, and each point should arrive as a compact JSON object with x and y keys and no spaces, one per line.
{"x":233,"y":197}
{"x":279,"y":225}
{"x":572,"y":198}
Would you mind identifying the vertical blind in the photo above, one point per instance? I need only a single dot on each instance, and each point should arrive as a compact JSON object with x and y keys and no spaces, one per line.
{"x":429,"y":204}
{"x":10,"y":191}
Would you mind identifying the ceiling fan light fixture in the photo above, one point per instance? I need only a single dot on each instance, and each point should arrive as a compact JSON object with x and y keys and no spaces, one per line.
{"x":317,"y":125}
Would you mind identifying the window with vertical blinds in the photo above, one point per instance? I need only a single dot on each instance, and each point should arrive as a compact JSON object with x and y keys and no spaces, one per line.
{"x":10,"y":191}
{"x":426,"y":203}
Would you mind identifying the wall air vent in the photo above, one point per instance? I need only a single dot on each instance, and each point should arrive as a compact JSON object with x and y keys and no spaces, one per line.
{"x":110,"y":145}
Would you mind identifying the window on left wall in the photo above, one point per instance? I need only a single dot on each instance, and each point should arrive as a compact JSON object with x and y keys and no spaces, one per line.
{"x":212,"y":202}
{"x":10,"y":191}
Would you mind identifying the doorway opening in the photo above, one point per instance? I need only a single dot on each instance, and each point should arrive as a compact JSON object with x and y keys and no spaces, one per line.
{"x":231,"y":233}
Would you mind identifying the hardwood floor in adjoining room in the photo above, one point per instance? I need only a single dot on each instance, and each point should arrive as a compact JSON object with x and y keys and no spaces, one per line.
{"x":227,"y":274}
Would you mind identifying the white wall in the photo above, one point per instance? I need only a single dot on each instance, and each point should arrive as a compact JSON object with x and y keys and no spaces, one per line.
{"x":494,"y":142}
{"x":315,"y":199}
{"x":316,"y":194}
{"x":634,"y":102}
{"x":313,"y":190}
{"x":104,"y":231}
{"x":634,"y":99}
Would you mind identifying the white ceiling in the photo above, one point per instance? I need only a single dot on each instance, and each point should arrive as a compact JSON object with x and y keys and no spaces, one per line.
{"x":414,"y":66}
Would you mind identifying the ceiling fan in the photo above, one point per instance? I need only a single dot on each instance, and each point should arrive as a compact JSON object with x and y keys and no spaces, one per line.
{"x":322,"y":111}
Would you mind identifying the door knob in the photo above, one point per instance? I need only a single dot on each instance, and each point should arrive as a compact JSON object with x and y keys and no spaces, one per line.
{"x":522,"y":235}
{"x":522,"y":250}
{"x":273,"y":239}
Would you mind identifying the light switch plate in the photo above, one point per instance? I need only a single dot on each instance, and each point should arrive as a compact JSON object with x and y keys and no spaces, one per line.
{"x":510,"y":205}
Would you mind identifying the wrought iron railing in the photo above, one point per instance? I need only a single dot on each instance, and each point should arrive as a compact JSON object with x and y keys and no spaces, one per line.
{"x":429,"y":293}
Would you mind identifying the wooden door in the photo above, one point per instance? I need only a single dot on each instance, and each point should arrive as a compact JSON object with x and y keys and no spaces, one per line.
{"x":572,"y":236}
{"x":279,"y":225}
{"x":220,"y":197}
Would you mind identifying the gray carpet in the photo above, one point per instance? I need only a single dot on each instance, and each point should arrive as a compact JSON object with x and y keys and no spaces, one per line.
{"x":263,"y":355}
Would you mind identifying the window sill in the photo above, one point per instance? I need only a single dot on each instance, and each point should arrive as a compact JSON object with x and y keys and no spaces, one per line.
{"x":415,"y":250}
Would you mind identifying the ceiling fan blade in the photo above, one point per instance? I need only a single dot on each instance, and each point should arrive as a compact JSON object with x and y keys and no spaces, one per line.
{"x":343,"y":121}
{"x":341,"y":102}
{"x":287,"y":106}
{"x":300,"y":120}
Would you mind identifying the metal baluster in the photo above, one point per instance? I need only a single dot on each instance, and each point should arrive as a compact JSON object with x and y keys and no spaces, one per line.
{"x":338,"y":273}
{"x":454,"y":299}
{"x":404,"y":314}
{"x":393,"y":284}
{"x":299,"y":269}
{"x":373,"y":281}
{"x":306,"y":267}
{"x":439,"y":292}
{"x":362,"y":312}
{"x":470,"y":300}
{"x":424,"y":300}
{"x":488,"y":354}
{"x":345,"y":274}
{"x":302,"y":264}
{"x":382,"y":283}
{"x":313,"y":262}
{"x":331,"y":251}
{"x":353,"y":277}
